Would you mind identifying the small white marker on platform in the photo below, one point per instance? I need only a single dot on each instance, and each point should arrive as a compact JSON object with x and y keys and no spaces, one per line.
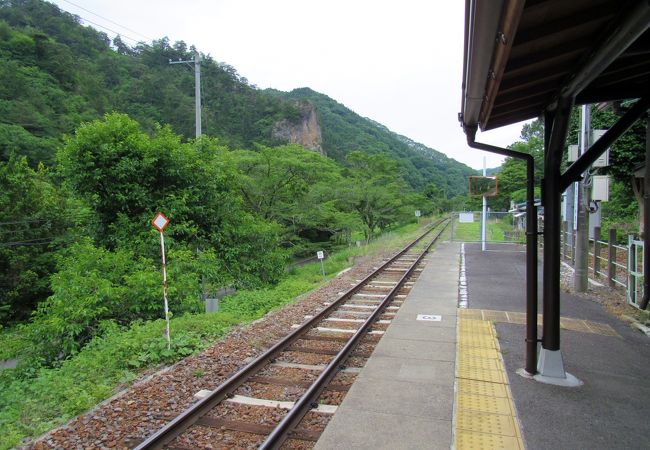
{"x":429,"y":317}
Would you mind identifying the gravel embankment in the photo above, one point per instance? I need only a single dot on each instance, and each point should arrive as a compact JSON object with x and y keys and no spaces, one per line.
{"x":131,"y":416}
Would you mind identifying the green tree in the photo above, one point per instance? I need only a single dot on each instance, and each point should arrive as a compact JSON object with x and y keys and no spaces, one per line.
{"x":293,"y":186}
{"x":35,"y":221}
{"x":195,"y":184}
{"x":376,"y":191}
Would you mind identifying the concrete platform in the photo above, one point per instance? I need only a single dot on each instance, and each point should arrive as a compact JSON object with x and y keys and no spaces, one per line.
{"x":453,"y":383}
{"x":403,"y":398}
{"x":611,"y":409}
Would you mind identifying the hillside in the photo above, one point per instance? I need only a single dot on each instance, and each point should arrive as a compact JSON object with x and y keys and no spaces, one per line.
{"x":344,"y":131}
{"x":56,"y":74}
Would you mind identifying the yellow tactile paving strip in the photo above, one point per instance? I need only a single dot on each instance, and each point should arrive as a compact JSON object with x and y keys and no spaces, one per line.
{"x":583,"y":326}
{"x":485,"y":416}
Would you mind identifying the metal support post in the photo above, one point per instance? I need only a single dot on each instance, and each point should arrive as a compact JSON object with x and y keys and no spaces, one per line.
{"x":558,"y":124}
{"x":550,"y":365}
{"x":531,"y":270}
{"x":582,"y":230}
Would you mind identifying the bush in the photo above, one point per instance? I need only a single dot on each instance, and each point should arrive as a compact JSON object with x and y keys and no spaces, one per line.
{"x":31,"y":405}
{"x":95,"y":286}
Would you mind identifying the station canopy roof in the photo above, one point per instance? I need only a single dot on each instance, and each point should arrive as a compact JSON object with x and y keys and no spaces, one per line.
{"x":520,"y":56}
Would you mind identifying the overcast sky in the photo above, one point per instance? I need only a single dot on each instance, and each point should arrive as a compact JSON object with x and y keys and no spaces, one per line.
{"x":396,"y":62}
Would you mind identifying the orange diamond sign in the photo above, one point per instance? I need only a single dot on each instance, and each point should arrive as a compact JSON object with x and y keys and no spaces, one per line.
{"x":160,"y":222}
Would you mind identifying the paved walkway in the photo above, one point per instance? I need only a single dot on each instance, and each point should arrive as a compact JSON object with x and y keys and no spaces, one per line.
{"x":611,"y":409}
{"x":403,"y":397}
{"x":453,"y":383}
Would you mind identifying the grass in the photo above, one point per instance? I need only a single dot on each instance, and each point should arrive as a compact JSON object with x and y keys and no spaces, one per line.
{"x":496,"y":231}
{"x":34,"y":400}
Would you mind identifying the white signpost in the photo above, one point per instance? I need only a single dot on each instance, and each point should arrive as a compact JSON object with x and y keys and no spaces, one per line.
{"x":321,"y":255}
{"x":160,"y":222}
{"x":418,"y":213}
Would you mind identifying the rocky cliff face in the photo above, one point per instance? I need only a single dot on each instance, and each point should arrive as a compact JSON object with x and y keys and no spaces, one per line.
{"x":304,"y":131}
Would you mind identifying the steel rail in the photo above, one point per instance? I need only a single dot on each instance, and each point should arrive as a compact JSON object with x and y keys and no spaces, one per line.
{"x":192,"y":414}
{"x":309,"y":398}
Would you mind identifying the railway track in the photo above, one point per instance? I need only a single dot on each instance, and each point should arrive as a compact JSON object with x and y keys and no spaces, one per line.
{"x":286,"y":395}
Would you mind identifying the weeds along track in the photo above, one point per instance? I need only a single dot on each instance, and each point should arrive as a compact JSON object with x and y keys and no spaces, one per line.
{"x":286,"y":396}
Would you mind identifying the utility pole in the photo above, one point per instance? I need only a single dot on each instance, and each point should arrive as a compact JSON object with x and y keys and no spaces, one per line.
{"x":582,"y":230}
{"x":197,"y":87}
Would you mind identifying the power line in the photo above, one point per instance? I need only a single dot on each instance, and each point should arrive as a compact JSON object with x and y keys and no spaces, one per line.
{"x":39,"y":241}
{"x":108,"y":20}
{"x":21,"y":230}
{"x":61,"y":238}
{"x":14,"y":222}
{"x":137,"y":41}
{"x":77,"y":216}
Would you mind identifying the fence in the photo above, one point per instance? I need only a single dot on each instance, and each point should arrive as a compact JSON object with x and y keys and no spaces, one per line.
{"x":501,"y":227}
{"x":617,"y":265}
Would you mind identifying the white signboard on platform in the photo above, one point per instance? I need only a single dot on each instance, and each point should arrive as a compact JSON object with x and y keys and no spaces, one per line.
{"x":466,"y":217}
{"x":429,"y":317}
